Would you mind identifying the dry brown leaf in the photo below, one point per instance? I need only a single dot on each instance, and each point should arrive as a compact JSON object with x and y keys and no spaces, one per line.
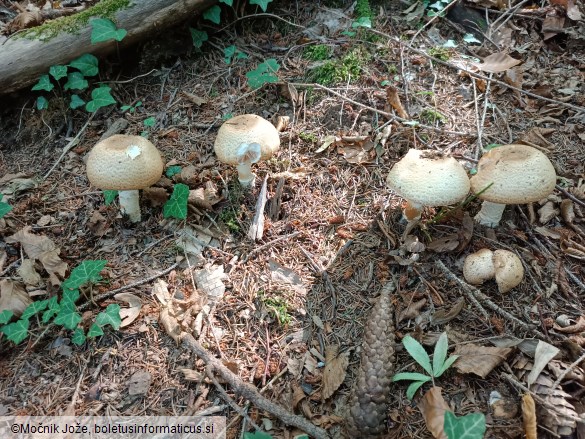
{"x":445,"y":244}
{"x":156,"y":196}
{"x":192,"y":375}
{"x":170,"y":324}
{"x":394,"y":101}
{"x":579,"y":326}
{"x":194,"y":98}
{"x":358,"y":154}
{"x":97,"y":224}
{"x":529,"y":416}
{"x":334,"y":370}
{"x":479,"y":360}
{"x":433,"y":408}
{"x":28,"y":273}
{"x":498,"y":62}
{"x":547,"y":212}
{"x":446,"y":314}
{"x":41,"y":248}
{"x":139,"y":383}
{"x":13,"y":297}
{"x":573,"y":249}
{"x":543,"y":354}
{"x":412,"y":311}
{"x":128,"y":315}
{"x":567,"y":211}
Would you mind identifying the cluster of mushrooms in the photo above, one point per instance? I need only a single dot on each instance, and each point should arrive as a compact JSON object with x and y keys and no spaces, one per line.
{"x":509,"y":174}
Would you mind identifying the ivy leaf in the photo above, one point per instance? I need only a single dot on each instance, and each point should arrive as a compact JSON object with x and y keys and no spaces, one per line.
{"x":257,"y":435}
{"x":176,"y":206}
{"x":362,"y":22}
{"x":78,"y":337}
{"x":34,"y":308}
{"x":470,"y":426}
{"x":94,"y":331}
{"x":149,"y":121}
{"x":5,"y":316}
{"x":172,"y":170}
{"x":227,"y":2}
{"x":69,"y":298}
{"x":262,"y":3}
{"x":4,"y":207}
{"x":54,"y":309}
{"x":16,"y":331}
{"x":87,"y":271}
{"x":213,"y":14}
{"x":58,"y":72}
{"x":75,"y":81}
{"x":101,"y":97}
{"x":111,"y":316}
{"x":76,"y":102}
{"x":44,"y":84}
{"x":110,"y":196}
{"x":42,"y":103}
{"x":198,"y":37}
{"x":103,"y":29}
{"x":87,"y":64}
{"x":264,"y":73}
{"x":67,"y":317}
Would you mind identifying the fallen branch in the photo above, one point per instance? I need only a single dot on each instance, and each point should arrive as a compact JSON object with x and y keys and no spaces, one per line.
{"x":251,"y":393}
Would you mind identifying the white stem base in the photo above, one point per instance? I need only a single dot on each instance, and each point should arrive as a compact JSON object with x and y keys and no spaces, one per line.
{"x":245,"y":175}
{"x":129,"y":205}
{"x":490,"y":214}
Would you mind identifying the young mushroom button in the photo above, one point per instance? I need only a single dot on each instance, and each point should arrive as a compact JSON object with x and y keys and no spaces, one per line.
{"x":126,"y":164}
{"x":518,"y":174}
{"x":427,"y":178}
{"x":244,"y":140}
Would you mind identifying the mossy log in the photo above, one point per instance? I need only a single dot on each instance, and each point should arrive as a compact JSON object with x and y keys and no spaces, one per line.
{"x":28,"y":54}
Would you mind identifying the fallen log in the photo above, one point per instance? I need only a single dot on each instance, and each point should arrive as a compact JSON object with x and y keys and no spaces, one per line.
{"x":28,"y":54}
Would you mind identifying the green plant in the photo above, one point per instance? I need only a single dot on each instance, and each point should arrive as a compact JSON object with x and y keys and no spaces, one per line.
{"x":4,"y":207}
{"x":441,"y":53}
{"x":318,"y":52}
{"x":278,"y":307}
{"x":345,"y":69}
{"x":470,"y":426}
{"x":363,"y":9}
{"x":110,"y":196}
{"x":176,"y":206}
{"x":173,"y":170}
{"x":64,"y":312}
{"x":308,"y":137}
{"x":131,"y":108}
{"x":257,"y":435}
{"x":439,"y":365}
{"x":232,"y":52}
{"x":265,"y":73}
{"x":431,"y":116}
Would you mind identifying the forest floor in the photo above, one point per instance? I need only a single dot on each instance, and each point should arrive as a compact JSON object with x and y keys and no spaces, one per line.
{"x":276,"y":310}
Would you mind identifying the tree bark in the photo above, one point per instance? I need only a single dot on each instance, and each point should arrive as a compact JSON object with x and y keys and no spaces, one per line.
{"x":23,"y":60}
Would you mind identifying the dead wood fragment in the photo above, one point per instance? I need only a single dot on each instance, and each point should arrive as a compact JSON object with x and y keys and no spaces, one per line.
{"x":249,"y":392}
{"x":256,"y":230}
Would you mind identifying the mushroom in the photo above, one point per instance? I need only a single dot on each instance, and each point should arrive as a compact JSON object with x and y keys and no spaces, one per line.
{"x":427,"y":178}
{"x":126,"y":164}
{"x":243,"y":140}
{"x":484,"y":264}
{"x":518,"y":174}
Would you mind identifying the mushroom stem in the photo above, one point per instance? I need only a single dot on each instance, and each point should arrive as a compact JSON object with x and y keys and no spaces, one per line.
{"x":129,"y":204}
{"x":412,"y":211}
{"x":245,"y":175}
{"x":490,"y":214}
{"x":246,"y":154}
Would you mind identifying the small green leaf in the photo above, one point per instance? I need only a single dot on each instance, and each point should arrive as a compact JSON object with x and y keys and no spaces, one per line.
{"x":172,"y":170}
{"x":470,"y":426}
{"x":362,"y":22}
{"x":5,"y":316}
{"x":411,"y":376}
{"x":262,"y":3}
{"x":263,"y":74}
{"x":70,"y":296}
{"x":78,"y":337}
{"x":384,"y":83}
{"x":227,"y":2}
{"x":42,"y":103}
{"x":149,"y":121}
{"x":411,"y":390}
{"x":257,"y":435}
{"x":4,"y":207}
{"x":446,"y":365}
{"x":348,"y":33}
{"x":101,"y":97}
{"x":176,"y":206}
{"x":58,"y":72}
{"x":94,"y":331}
{"x":34,"y":308}
{"x":76,"y":102}
{"x":418,"y":353}
{"x":110,"y":196}
{"x":76,"y":81}
{"x":213,"y":14}
{"x":87,"y":64}
{"x":87,"y":271}
{"x":44,"y":84}
{"x":54,"y":309}
{"x":103,"y":29}
{"x":440,"y":353}
{"x":16,"y":331}
{"x":67,"y":317}
{"x":198,"y":37}
{"x":111,"y":316}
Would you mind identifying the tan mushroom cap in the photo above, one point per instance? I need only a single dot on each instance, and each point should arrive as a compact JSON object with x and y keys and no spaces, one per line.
{"x":124,"y":163}
{"x":509,"y":270}
{"x":520,"y":174}
{"x":429,"y":178}
{"x":246,"y":128}
{"x":479,"y":267}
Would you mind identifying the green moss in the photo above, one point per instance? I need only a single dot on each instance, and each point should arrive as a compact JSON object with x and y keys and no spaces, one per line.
{"x":362,"y":9}
{"x":441,"y":53}
{"x":318,"y":52}
{"x":347,"y":68}
{"x":73,"y":23}
{"x":308,"y":137}
{"x":431,"y":116}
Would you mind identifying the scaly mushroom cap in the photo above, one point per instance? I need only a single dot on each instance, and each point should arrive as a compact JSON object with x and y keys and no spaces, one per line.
{"x":520,"y":174}
{"x":429,"y":178}
{"x":509,"y":270}
{"x":246,"y":128}
{"x":479,"y":267}
{"x":124,"y":163}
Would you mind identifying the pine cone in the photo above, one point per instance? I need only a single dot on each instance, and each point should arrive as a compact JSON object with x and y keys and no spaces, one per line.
{"x":368,"y":403}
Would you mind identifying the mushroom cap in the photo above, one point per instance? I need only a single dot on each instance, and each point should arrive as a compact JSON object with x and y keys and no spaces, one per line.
{"x":509,"y":270}
{"x":124,"y":163}
{"x":479,"y":267}
{"x":429,"y":178}
{"x":246,"y":128}
{"x":520,"y":174}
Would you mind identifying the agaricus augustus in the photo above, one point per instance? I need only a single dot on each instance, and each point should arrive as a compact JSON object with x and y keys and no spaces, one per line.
{"x":484,"y":264}
{"x":243,"y":140}
{"x":518,"y":174}
{"x":126,"y":164}
{"x":427,"y":178}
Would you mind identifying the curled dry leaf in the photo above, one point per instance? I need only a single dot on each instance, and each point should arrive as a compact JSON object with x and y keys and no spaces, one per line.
{"x":498,"y":62}
{"x":161,"y":292}
{"x":394,"y":101}
{"x":567,"y":211}
{"x":334,"y":371}
{"x":412,"y":311}
{"x":170,"y":324}
{"x":156,"y":196}
{"x":28,"y":273}
{"x":578,"y":326}
{"x":433,"y":408}
{"x":529,"y":416}
{"x":192,"y":375}
{"x":446,"y":314}
{"x":547,"y":212}
{"x":544,"y":353}
{"x":128,"y":315}
{"x":479,"y":360}
{"x":13,"y":297}
{"x":572,"y":249}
